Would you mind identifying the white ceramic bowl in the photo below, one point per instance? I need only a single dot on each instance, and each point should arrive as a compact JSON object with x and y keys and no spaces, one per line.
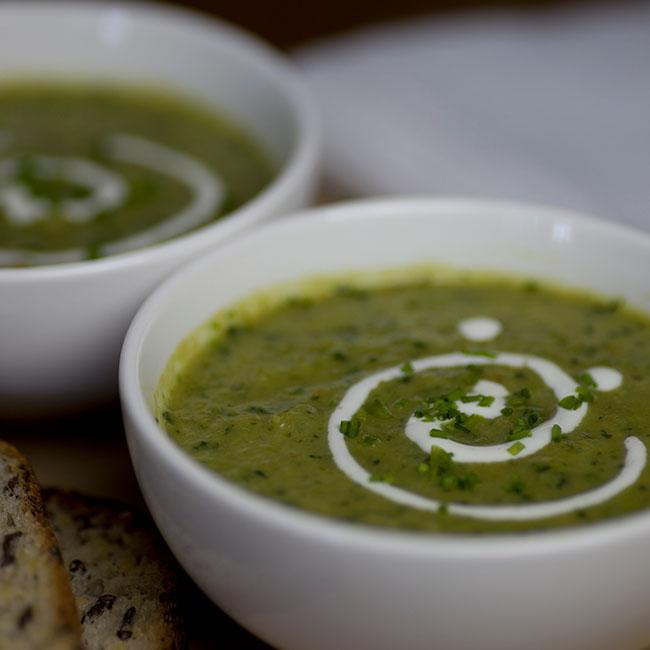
{"x":61,"y":327}
{"x":301,"y":581}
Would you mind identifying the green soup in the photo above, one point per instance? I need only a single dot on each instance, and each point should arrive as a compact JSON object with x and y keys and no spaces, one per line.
{"x":461,"y":406}
{"x":88,"y":171}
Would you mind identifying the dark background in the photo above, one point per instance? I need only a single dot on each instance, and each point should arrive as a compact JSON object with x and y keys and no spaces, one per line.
{"x":294,"y":22}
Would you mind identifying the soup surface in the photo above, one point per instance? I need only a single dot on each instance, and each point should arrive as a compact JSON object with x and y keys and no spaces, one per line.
{"x":462,"y":406}
{"x":89,"y":171}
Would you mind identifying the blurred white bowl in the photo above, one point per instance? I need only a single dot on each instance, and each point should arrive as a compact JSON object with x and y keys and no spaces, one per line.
{"x":301,"y":581}
{"x":61,"y":326}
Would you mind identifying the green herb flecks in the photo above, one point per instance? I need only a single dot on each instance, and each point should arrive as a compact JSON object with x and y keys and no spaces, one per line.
{"x":583,"y":393}
{"x":378,"y":409}
{"x":516,"y":449}
{"x":570,"y":403}
{"x":524,"y":424}
{"x":447,"y":474}
{"x":518,"y":398}
{"x":556,"y":433}
{"x":587,"y":380}
{"x":350,"y":428}
{"x":444,"y":410}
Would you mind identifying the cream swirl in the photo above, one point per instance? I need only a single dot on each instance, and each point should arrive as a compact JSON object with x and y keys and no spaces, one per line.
{"x":418,"y":431}
{"x":107,"y":190}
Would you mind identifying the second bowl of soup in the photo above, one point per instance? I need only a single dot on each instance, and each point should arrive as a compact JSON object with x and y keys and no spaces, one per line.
{"x":406,"y":421}
{"x":131,"y":138}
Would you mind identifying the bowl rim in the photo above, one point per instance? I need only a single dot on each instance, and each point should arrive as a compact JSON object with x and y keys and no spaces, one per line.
{"x":280,"y":70}
{"x":302,"y":523}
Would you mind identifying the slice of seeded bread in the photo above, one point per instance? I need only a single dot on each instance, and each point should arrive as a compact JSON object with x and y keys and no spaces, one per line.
{"x":122,"y":575}
{"x":37,"y":608}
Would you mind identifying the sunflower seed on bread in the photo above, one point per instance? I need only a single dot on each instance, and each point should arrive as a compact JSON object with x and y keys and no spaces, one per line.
{"x":37,"y":608}
{"x":121,"y":574}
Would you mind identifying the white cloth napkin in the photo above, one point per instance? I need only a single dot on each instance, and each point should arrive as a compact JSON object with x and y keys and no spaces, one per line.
{"x":550,"y":106}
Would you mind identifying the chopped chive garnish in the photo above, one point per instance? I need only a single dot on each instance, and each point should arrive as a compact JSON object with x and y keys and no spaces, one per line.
{"x":518,"y":434}
{"x":518,"y":398}
{"x":460,"y":421}
{"x":517,"y":448}
{"x":506,"y":410}
{"x":377,"y":408}
{"x":440,"y":460}
{"x":584,"y":394}
{"x":556,"y":433}
{"x":486,"y":400}
{"x":448,"y":475}
{"x":455,"y":395}
{"x":350,"y":428}
{"x":438,"y":433}
{"x":587,"y":380}
{"x":570,"y":402}
{"x":407,"y":368}
{"x":531,"y":417}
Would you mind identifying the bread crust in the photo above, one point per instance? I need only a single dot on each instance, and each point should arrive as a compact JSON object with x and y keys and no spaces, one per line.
{"x":37,"y":607}
{"x":122,"y":575}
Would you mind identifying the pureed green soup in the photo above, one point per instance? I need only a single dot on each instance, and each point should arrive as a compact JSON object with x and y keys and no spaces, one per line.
{"x":462,"y":406}
{"x":88,"y":171}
